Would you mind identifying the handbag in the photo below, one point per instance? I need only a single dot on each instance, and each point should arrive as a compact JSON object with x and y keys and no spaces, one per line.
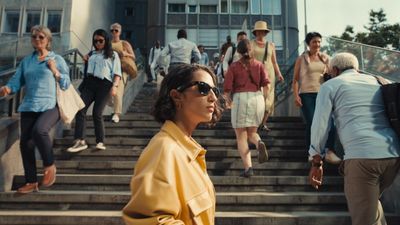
{"x":69,"y":103}
{"x":129,"y":66}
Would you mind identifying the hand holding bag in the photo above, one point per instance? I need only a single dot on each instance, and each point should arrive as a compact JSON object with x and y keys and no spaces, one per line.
{"x":69,"y":103}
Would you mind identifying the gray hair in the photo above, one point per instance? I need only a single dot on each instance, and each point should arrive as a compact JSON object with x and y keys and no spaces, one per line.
{"x":46,"y":31}
{"x":117,"y":26}
{"x":344,"y":61}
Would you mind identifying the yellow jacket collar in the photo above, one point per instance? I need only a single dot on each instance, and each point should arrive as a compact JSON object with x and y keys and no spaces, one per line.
{"x":190,"y":146}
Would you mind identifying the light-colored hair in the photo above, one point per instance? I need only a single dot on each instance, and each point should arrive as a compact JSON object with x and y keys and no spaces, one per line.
{"x":46,"y":31}
{"x":117,"y":26}
{"x":344,"y":61}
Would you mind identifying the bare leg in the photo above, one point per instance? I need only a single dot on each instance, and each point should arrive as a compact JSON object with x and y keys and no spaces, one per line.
{"x":243,"y":147}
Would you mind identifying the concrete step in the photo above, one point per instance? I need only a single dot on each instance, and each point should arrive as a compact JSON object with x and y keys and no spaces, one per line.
{"x":220,"y":125}
{"x":205,"y":142}
{"x":232,"y":168}
{"x":226,"y":201}
{"x":104,"y":182}
{"x":220,"y":154}
{"x":93,"y":217}
{"x":227,"y":134}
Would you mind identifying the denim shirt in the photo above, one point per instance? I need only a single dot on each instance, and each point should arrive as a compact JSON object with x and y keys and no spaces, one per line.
{"x":355,"y":101}
{"x":104,"y":68}
{"x":39,"y":82}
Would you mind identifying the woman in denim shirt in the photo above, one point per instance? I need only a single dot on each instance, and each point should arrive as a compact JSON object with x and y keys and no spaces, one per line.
{"x":101,"y":82}
{"x":38,"y":73}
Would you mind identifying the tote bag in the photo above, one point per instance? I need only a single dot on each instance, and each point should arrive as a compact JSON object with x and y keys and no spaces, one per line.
{"x":69,"y":103}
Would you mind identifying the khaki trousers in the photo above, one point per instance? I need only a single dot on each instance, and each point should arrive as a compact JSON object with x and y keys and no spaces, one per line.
{"x":118,"y":98}
{"x":364,"y":182}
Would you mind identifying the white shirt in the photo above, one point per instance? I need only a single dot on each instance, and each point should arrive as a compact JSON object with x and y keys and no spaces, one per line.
{"x":181,"y":51}
{"x":154,"y":58}
{"x":228,"y":56}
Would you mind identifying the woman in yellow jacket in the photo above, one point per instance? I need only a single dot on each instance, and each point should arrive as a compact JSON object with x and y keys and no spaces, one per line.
{"x":170,"y":184}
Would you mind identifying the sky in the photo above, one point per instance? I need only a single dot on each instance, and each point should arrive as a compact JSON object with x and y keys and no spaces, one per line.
{"x":330,"y":17}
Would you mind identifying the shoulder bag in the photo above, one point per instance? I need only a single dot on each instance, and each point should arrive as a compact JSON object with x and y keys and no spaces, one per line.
{"x":128,"y":65}
{"x":69,"y":103}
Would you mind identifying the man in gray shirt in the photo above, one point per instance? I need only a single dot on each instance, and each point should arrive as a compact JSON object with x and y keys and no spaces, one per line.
{"x":181,"y":51}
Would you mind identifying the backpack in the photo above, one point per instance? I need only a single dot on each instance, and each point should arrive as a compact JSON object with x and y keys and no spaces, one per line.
{"x":391,"y":100}
{"x":233,"y":53}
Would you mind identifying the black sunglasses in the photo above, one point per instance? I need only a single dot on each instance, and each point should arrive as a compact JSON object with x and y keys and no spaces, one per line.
{"x":114,"y":30}
{"x":41,"y":37}
{"x":202,"y":87}
{"x":100,"y":41}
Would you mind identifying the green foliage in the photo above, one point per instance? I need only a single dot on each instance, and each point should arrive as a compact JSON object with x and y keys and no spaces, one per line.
{"x":379,"y":32}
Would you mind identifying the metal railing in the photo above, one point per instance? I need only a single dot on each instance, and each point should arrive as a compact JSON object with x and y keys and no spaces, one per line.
{"x":372,"y":60}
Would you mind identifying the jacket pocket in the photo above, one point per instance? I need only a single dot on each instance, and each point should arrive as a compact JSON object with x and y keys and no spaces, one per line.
{"x":200,"y":203}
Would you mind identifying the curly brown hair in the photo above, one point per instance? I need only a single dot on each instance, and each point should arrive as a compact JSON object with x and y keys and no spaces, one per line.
{"x":164,"y":107}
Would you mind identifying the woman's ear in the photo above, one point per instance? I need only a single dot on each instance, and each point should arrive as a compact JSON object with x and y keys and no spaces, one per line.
{"x":176,"y":97}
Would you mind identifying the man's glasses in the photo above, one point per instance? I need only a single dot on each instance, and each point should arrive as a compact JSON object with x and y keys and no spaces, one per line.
{"x":40,"y":37}
{"x":114,"y":30}
{"x":202,"y":87}
{"x":100,"y":41}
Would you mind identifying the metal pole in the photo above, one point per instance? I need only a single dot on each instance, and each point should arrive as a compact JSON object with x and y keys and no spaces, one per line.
{"x":305,"y":18}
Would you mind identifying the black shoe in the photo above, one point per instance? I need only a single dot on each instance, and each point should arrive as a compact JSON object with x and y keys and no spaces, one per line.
{"x":262,"y":152}
{"x":247,"y":173}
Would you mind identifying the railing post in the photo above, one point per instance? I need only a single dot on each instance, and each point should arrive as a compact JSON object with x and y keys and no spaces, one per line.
{"x":362,"y":58}
{"x":15,"y":54}
{"x":74,"y":66}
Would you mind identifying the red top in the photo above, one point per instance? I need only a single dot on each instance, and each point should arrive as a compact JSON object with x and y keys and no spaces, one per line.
{"x":237,"y":78}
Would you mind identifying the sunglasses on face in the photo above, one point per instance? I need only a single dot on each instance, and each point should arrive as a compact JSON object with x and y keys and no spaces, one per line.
{"x":100,"y":41}
{"x":40,"y":37}
{"x":114,"y":30}
{"x":202,"y":87}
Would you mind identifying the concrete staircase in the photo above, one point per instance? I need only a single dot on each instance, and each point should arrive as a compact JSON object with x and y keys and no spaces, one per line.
{"x":93,"y":186}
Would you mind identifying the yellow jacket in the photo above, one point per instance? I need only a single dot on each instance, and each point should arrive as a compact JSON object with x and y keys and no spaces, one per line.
{"x":170,"y":184}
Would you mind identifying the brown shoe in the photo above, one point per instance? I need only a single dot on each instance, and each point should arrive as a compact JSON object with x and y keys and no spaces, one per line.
{"x":49,"y":176}
{"x":28,"y":188}
{"x":262,"y":152}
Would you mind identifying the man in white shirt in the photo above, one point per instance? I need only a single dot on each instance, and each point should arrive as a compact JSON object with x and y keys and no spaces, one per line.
{"x":231,"y":55}
{"x":155,"y":52}
{"x":181,"y":51}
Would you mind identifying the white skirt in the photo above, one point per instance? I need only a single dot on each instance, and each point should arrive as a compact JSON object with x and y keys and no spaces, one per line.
{"x":247,"y":109}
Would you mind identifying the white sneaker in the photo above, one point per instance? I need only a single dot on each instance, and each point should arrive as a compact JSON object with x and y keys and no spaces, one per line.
{"x":332,"y":158}
{"x":115,"y":118}
{"x":100,"y":146}
{"x":79,"y":145}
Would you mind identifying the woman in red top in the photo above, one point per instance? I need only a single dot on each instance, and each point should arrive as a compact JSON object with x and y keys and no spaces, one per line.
{"x":244,"y":80}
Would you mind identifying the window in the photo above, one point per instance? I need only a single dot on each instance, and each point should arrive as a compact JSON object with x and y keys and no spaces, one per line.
{"x":208,"y":38}
{"x":127,"y":34}
{"x":176,"y":8}
{"x":240,"y":6}
{"x":192,"y":8}
{"x":129,"y":11}
{"x":32,"y":18}
{"x":11,"y":21}
{"x":208,"y":8}
{"x":255,"y":6}
{"x":271,"y":7}
{"x":54,"y":21}
{"x":224,"y":6}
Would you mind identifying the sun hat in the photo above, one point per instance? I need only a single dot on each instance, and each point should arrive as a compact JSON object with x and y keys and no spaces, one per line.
{"x":260,"y":25}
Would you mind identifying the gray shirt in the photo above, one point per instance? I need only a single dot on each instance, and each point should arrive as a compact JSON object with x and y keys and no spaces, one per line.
{"x":181,"y":51}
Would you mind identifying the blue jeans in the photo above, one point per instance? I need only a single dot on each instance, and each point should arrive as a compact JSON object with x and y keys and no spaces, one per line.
{"x":308,"y":100}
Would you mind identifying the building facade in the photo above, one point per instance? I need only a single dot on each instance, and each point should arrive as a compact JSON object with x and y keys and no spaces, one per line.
{"x":208,"y":22}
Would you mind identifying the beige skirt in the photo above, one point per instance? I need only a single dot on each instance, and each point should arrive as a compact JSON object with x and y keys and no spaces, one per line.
{"x":247,"y":109}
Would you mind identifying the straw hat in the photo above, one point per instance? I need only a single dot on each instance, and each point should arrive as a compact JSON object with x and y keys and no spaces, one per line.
{"x":260,"y":25}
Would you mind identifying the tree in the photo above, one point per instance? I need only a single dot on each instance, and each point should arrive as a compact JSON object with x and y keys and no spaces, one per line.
{"x":379,"y":32}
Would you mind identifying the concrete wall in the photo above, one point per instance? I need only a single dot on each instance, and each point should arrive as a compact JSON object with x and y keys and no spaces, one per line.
{"x":86,"y":17}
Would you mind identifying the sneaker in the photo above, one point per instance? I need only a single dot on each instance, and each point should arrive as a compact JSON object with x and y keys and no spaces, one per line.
{"x":247,"y":173}
{"x":28,"y":188}
{"x":100,"y":146}
{"x":79,"y":145}
{"x":332,"y":158}
{"x":262,"y":152}
{"x":115,"y":118}
{"x":49,"y":176}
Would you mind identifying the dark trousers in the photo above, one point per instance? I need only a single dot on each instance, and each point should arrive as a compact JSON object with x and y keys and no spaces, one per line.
{"x":35,"y":128}
{"x":97,"y":91}
{"x":308,"y":100}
